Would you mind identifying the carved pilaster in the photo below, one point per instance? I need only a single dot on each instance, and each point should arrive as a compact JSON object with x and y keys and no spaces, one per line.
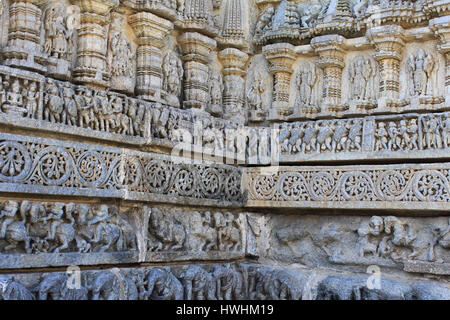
{"x":441,"y":27}
{"x":281,"y":57}
{"x":389,"y":43}
{"x":233,"y":61}
{"x":150,"y":31}
{"x":91,"y":66}
{"x":24,"y":48}
{"x":196,"y":49}
{"x":331,"y":60}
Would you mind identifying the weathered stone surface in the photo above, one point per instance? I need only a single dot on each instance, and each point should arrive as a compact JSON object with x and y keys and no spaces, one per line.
{"x":412,"y":244}
{"x":311,"y":138}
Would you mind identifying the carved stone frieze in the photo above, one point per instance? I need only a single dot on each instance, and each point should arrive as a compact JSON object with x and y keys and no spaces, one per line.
{"x":141,"y":137}
{"x":65,"y":168}
{"x":421,"y":188}
{"x":213,"y":282}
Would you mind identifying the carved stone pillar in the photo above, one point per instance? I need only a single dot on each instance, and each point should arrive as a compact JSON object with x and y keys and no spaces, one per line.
{"x":233,"y":61}
{"x":24,"y":47}
{"x":91,"y":66}
{"x":441,"y":27}
{"x":196,"y":49}
{"x":281,"y":57}
{"x":150,"y":31}
{"x":388,"y":42}
{"x":331,"y":60}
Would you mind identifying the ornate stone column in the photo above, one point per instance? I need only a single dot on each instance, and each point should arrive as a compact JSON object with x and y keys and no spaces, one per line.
{"x":91,"y":66}
{"x":24,"y":49}
{"x":150,"y":31}
{"x":196,"y":49}
{"x":441,"y":27}
{"x":388,"y":42}
{"x":281,"y":57}
{"x":233,"y":61}
{"x":331,"y":60}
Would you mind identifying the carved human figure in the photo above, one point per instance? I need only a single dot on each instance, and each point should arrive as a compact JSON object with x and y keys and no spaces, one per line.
{"x":55,"y":216}
{"x":11,"y":230}
{"x":324,"y":137}
{"x":103,"y":113}
{"x":61,"y":226}
{"x":381,"y":137}
{"x":354,"y":136}
{"x":228,"y":232}
{"x":393,"y":141}
{"x":54,"y":103}
{"x":121,"y":49}
{"x":366,"y":234}
{"x":285,"y":133}
{"x":339,"y":136}
{"x":219,"y":143}
{"x":159,"y":119}
{"x":306,"y":81}
{"x":441,"y":237}
{"x":209,"y":137}
{"x":361,"y":75}
{"x":14,"y":100}
{"x":255,"y":93}
{"x":446,"y":131}
{"x":56,"y":33}
{"x":31,"y":100}
{"x":85,"y":104}
{"x":431,"y":127}
{"x":2,"y":90}
{"x":173,"y":74}
{"x":296,"y":138}
{"x":123,"y":124}
{"x":203,"y":234}
{"x":263,"y":145}
{"x":253,"y":140}
{"x":421,"y":67}
{"x":7,"y":216}
{"x":70,"y":106}
{"x":215,"y":86}
{"x":140,"y":120}
{"x":309,"y":138}
{"x":106,"y":232}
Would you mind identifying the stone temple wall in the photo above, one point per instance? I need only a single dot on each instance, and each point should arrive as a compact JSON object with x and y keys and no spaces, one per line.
{"x":224,"y":149}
